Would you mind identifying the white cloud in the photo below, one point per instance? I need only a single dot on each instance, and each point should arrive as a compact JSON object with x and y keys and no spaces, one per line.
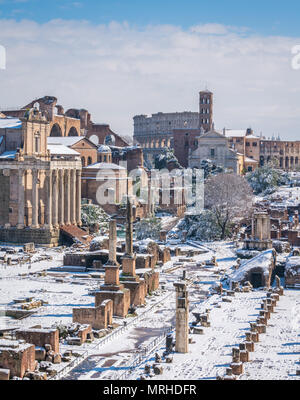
{"x":117,"y":71}
{"x":213,"y":29}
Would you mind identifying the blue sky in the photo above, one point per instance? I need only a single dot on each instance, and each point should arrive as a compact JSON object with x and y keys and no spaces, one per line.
{"x":266,"y":17}
{"x":120,"y":58}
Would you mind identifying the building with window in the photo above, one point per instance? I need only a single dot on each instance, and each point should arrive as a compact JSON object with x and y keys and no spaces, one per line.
{"x":214,"y":146}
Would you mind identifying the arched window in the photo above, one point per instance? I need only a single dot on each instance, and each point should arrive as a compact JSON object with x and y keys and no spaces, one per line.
{"x":73,"y":132}
{"x":55,"y":131}
{"x":83,"y":161}
{"x":37,"y":142}
{"x":89,"y":160}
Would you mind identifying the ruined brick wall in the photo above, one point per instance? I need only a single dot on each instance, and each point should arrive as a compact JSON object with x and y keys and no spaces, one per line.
{"x":40,"y":337}
{"x":83,"y":332}
{"x":151,"y":281}
{"x":36,"y":236}
{"x":102,"y":131}
{"x":120,"y":298}
{"x":183,"y":141}
{"x":18,"y":360}
{"x":98,"y":317}
{"x":294,"y":238}
{"x":137,"y":292}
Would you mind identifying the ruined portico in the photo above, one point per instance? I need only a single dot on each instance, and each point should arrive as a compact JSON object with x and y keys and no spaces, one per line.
{"x":261,"y":233}
{"x":41,"y":185}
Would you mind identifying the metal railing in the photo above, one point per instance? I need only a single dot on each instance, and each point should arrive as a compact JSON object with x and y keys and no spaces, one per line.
{"x":108,"y":338}
{"x":146,"y":351}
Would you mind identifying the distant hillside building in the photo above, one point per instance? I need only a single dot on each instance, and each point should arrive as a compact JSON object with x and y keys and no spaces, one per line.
{"x":179,"y":131}
{"x":155,"y":132}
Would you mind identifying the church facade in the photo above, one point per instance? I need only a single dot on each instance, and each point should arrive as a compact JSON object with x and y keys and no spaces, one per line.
{"x":214,"y":146}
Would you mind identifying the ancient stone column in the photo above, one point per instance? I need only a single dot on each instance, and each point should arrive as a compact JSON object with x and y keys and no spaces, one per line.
{"x":73,"y":197}
{"x":55,"y":198}
{"x":78,"y":197}
{"x":48,"y":211}
{"x":259,"y":228}
{"x":67,"y":189}
{"x":61,"y":198}
{"x":129,"y":229}
{"x":35,"y":199}
{"x":112,"y":259}
{"x":253,"y":228}
{"x":21,"y":198}
{"x":182,"y":318}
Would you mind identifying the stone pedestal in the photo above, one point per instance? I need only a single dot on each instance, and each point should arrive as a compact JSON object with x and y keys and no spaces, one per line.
{"x":118,"y":294}
{"x":112,"y":275}
{"x":128,"y":265}
{"x":255,"y":337}
{"x":237,"y":368}
{"x":137,"y":289}
{"x":261,"y":328}
{"x":244,"y":356}
{"x":249,"y":346}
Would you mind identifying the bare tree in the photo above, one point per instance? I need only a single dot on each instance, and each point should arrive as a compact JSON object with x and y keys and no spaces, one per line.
{"x":229,"y":197}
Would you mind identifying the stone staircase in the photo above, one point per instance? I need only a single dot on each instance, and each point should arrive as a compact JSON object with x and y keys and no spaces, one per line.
{"x":76,"y":234}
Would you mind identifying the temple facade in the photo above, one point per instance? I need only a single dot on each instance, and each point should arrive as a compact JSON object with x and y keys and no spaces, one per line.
{"x":41,"y":182}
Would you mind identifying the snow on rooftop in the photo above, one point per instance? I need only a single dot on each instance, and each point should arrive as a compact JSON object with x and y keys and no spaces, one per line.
{"x":104,"y":149}
{"x":237,"y":133}
{"x":8,"y":155}
{"x":104,"y":165}
{"x":60,"y":149}
{"x":263,"y":261}
{"x":10,"y":123}
{"x":66,"y":141}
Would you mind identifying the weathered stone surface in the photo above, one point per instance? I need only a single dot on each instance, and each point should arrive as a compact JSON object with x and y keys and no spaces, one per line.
{"x":4,"y":374}
{"x":40,"y":354}
{"x":16,"y":357}
{"x":47,"y":338}
{"x":56,"y":358}
{"x":237,"y":368}
{"x":158,"y":369}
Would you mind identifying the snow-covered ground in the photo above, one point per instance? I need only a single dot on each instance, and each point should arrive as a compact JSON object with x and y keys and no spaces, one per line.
{"x":275,"y":357}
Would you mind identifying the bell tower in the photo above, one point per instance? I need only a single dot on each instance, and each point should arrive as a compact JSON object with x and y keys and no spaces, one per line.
{"x":206,"y":110}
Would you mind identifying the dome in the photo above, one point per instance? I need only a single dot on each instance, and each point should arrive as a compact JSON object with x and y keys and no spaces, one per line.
{"x":104,"y":149}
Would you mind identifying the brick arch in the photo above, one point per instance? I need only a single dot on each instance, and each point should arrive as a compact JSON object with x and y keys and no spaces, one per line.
{"x":73,"y":132}
{"x":56,"y":131}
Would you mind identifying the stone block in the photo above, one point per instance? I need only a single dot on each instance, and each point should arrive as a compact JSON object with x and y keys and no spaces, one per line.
{"x":244,"y":356}
{"x":40,"y":354}
{"x":4,"y":374}
{"x":158,"y":369}
{"x":56,"y":358}
{"x":40,"y":338}
{"x":249,"y":346}
{"x":237,"y":368}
